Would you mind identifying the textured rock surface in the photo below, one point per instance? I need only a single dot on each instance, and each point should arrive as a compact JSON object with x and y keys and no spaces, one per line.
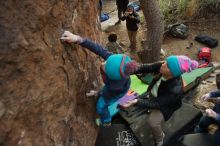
{"x":43,"y":83}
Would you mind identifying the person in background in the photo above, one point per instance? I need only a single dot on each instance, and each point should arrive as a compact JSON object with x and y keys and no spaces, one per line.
{"x":212,"y":116}
{"x":121,"y":6}
{"x":164,"y":94}
{"x":113,"y":45}
{"x":100,"y":5}
{"x":132,"y":21}
{"x":114,"y":74}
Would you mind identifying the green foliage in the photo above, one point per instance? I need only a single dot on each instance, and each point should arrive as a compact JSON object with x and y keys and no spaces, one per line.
{"x":203,"y":3}
{"x":164,"y":6}
{"x":142,"y":19}
{"x":182,"y":6}
{"x":208,"y":2}
{"x":174,"y":9}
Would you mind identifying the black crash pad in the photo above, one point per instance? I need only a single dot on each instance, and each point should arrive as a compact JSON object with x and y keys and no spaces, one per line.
{"x":180,"y":123}
{"x":199,"y":139}
{"x":116,"y":135}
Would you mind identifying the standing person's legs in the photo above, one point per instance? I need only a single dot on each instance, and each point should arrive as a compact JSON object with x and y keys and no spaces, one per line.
{"x":134,"y":35}
{"x":119,"y":15}
{"x":130,"y":38}
{"x":155,"y":119}
{"x":123,"y":10}
{"x":203,"y":125}
{"x":100,"y":7}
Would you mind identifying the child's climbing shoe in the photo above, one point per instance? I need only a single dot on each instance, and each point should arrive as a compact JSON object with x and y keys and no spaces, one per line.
{"x":107,"y":124}
{"x":100,"y":123}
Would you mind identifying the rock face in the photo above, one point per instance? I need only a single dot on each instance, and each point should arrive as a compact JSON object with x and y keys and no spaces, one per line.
{"x":43,"y":82}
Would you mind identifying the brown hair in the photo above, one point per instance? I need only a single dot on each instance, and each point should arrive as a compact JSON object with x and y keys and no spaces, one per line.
{"x":112,"y":37}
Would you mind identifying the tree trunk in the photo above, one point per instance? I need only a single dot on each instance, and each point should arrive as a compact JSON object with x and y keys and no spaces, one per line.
{"x":155,"y":29}
{"x":43,"y":83}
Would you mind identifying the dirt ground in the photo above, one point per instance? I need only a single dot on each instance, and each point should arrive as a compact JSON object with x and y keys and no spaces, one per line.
{"x":172,"y":46}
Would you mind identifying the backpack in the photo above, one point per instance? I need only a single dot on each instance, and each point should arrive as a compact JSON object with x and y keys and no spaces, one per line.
{"x":178,"y":31}
{"x":209,"y":41}
{"x":204,"y":57}
{"x":104,"y":17}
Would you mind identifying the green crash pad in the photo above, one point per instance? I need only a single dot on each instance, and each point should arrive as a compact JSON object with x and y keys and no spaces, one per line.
{"x":189,"y":79}
{"x":195,"y":77}
{"x":137,"y":85}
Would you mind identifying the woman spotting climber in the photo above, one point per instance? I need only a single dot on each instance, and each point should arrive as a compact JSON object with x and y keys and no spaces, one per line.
{"x":164,"y":93}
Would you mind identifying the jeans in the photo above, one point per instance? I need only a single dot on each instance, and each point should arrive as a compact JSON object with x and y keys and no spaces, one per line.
{"x":155,"y":119}
{"x":217,"y":136}
{"x":132,"y":37}
{"x":203,"y":125}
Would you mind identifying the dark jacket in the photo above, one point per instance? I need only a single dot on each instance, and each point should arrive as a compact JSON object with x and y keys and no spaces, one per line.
{"x":112,"y":89}
{"x":169,"y":94}
{"x":132,"y":23}
{"x":122,"y":4}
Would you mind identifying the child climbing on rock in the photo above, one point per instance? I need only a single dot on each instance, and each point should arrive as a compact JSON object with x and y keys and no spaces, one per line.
{"x":115,"y":74}
{"x":113,"y":45}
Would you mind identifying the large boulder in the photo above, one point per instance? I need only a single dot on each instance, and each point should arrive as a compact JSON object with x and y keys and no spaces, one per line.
{"x":43,"y":82}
